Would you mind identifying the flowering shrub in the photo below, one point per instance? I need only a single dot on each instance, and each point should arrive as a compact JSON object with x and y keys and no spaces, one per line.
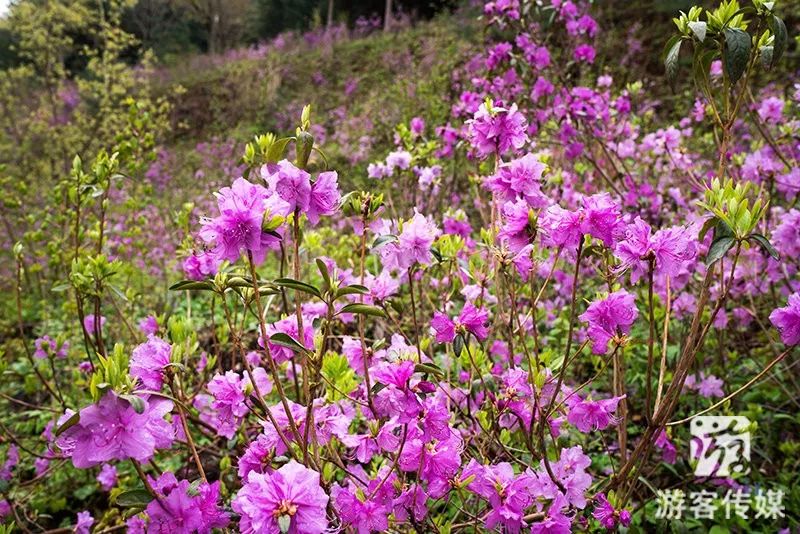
{"x":506,"y":331}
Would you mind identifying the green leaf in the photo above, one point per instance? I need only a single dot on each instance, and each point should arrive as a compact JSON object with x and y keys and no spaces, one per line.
{"x":239,"y":281}
{"x":363,"y":309}
{"x":323,"y":270}
{"x":765,"y":245}
{"x":699,"y":29}
{"x":135,"y":497}
{"x":135,"y":401}
{"x":189,"y":285}
{"x":298,"y":286}
{"x":275,"y":151}
{"x":72,"y":421}
{"x":736,"y":52}
{"x":767,"y":55}
{"x":429,"y":368}
{"x":708,"y":225}
{"x":719,"y":247}
{"x":778,"y":29}
{"x":458,"y":345}
{"x":382,"y":240}
{"x":285,"y":340}
{"x":352,"y":289}
{"x":672,"y":52}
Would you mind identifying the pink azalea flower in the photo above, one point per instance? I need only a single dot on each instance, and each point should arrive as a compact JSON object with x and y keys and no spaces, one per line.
{"x":414,"y":242}
{"x":417,"y":126}
{"x":148,"y":325}
{"x":238,"y":226}
{"x":607,"y":515}
{"x":290,"y":184}
{"x":437,"y":461}
{"x":112,"y":430}
{"x":520,"y":178}
{"x":589,"y":415}
{"x":671,"y":249}
{"x":608,"y":318}
{"x":668,"y":451}
{"x":149,"y":361}
{"x":292,"y":494}
{"x":107,"y":477}
{"x":89,"y":323}
{"x":229,"y":401}
{"x":180,"y":509}
{"x":365,"y":515}
{"x":516,"y":232}
{"x":471,"y":319}
{"x":324,"y":198}
{"x":84,"y":523}
{"x":497,"y":130}
{"x":787,"y":320}
{"x":200,"y":266}
{"x":585,"y":53}
{"x":289,"y":327}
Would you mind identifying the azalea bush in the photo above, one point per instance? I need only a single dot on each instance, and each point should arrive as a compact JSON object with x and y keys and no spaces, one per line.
{"x":507,"y":317}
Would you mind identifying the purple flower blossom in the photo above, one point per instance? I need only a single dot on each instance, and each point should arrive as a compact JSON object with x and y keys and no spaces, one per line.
{"x":771,"y":110}
{"x":436,"y":461}
{"x":84,"y":523}
{"x":671,"y":249}
{"x":787,"y":320}
{"x":520,"y":178}
{"x":588,"y":415}
{"x":149,"y":361}
{"x":289,"y":327}
{"x":148,"y":325}
{"x":238,"y":226}
{"x":290,"y":184}
{"x":112,"y":430}
{"x":12,"y":459}
{"x":609,"y":318}
{"x":179,"y":509}
{"x":508,"y":494}
{"x":668,"y":451}
{"x":607,"y":515}
{"x":585,"y":53}
{"x":292,"y":494}
{"x":200,"y":266}
{"x":107,"y":477}
{"x":471,"y":319}
{"x":496,"y":130}
{"x":89,"y":324}
{"x":45,"y":346}
{"x":786,"y":236}
{"x":400,"y":159}
{"x":365,"y":515}
{"x":414,"y":243}
{"x":40,"y":465}
{"x":324,"y":198}
{"x":417,"y":126}
{"x":256,"y":457}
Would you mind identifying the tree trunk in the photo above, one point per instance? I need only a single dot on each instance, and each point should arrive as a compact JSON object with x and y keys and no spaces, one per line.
{"x":213,"y":37}
{"x":387,"y":16}
{"x":330,"y":13}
